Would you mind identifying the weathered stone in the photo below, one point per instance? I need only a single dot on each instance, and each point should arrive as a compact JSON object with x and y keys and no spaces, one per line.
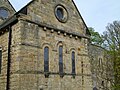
{"x":31,"y":34}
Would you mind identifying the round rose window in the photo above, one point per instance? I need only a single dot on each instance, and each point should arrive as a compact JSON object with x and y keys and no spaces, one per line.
{"x":4,"y":13}
{"x":61,"y":13}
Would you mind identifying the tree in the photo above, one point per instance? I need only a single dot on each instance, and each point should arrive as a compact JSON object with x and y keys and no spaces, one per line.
{"x":95,"y":37}
{"x":112,"y":42}
{"x":100,"y":66}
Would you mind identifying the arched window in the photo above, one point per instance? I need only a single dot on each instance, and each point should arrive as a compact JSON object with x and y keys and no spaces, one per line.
{"x":60,"y":59}
{"x":46,"y":59}
{"x":73,"y":62}
{"x":0,"y":59}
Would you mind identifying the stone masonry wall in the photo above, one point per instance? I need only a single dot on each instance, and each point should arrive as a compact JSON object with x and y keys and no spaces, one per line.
{"x":30,"y":66}
{"x":100,"y":64}
{"x":43,"y":11}
{"x":29,"y":37}
{"x":15,"y":53}
{"x":14,"y":65}
{"x":4,"y":47}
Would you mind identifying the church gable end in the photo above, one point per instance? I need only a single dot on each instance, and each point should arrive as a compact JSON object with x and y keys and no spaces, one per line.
{"x":61,"y":14}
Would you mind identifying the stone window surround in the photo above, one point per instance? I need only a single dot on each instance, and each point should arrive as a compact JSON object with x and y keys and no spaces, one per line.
{"x":64,"y":13}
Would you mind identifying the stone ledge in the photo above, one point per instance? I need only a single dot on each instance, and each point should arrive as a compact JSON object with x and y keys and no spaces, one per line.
{"x":50,"y":73}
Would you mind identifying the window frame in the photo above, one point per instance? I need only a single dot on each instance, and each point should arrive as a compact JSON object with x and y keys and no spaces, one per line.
{"x":65,"y":15}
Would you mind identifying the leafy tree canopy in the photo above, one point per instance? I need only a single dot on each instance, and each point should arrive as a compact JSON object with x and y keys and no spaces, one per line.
{"x":95,"y":37}
{"x":111,"y":39}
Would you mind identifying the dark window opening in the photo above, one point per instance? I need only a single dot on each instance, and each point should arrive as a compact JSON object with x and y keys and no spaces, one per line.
{"x":73,"y":62}
{"x":61,"y":60}
{"x":60,"y":13}
{"x":4,"y":13}
{"x":0,"y":60}
{"x":46,"y":59}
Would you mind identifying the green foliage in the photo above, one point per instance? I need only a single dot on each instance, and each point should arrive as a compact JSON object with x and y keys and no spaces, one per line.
{"x":111,"y":38}
{"x":95,"y":37}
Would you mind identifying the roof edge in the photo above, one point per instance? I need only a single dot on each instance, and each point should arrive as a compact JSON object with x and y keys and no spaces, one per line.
{"x":24,"y":7}
{"x":87,"y":30}
{"x":11,"y":5}
{"x":8,"y":22}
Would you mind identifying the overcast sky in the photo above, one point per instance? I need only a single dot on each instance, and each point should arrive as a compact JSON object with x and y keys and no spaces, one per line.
{"x":96,"y":13}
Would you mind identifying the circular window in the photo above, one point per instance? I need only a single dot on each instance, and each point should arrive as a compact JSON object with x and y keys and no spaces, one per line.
{"x":61,"y":13}
{"x":4,"y":13}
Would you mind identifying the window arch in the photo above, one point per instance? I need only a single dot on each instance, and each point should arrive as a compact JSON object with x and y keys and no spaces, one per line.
{"x":60,"y":59}
{"x":73,"y":62}
{"x":46,"y":59}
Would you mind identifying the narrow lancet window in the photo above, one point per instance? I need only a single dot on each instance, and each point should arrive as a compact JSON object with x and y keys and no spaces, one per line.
{"x":73,"y":62}
{"x":60,"y":59}
{"x":46,"y":59}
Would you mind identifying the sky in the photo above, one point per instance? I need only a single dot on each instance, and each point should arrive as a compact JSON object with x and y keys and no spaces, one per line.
{"x":96,"y":13}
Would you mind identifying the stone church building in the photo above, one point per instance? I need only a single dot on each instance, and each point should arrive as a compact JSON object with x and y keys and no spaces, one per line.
{"x":44,"y":46}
